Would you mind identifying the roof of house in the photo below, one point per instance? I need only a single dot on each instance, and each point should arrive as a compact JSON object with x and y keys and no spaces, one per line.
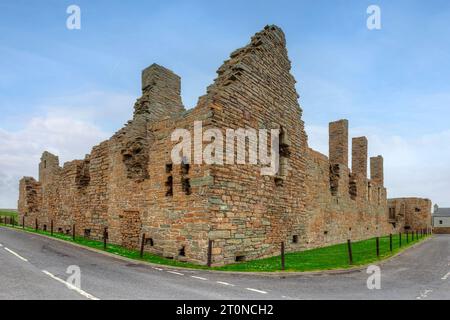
{"x":442,"y":212}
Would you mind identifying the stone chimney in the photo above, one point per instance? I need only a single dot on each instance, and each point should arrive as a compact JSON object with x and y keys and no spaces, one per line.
{"x":377,"y":170}
{"x":338,"y":142}
{"x":161,"y":94}
{"x":436,"y":208}
{"x":48,"y":168}
{"x":359,"y":156}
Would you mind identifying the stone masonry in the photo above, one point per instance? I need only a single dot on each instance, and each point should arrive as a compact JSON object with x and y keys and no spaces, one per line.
{"x":129,"y":185}
{"x":410,"y":214}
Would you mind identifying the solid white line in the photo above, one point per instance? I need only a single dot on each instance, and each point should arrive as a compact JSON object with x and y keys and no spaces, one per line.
{"x":199,"y":278}
{"x":255,"y":290}
{"x":177,"y":273}
{"x":225,"y":283}
{"x":71,"y":286}
{"x":18,"y":256}
{"x":446,"y":276}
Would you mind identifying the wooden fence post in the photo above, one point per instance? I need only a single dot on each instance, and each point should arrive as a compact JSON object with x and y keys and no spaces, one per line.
{"x":210,"y":245}
{"x":105,"y":237}
{"x":350,"y":254}
{"x":378,"y":246}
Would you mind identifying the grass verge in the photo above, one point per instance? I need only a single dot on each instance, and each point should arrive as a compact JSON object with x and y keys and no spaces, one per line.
{"x":326,"y":258}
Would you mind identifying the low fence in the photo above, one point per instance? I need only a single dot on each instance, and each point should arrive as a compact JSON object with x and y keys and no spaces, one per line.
{"x":346,"y":254}
{"x":353,"y":253}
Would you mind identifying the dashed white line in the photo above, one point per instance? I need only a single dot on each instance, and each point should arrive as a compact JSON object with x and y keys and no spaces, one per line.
{"x":71,"y":286}
{"x":17,"y":255}
{"x":199,"y":278}
{"x":446,"y":276}
{"x":256,"y":290}
{"x":177,"y":273}
{"x":225,"y":283}
{"x":1,"y":245}
{"x":159,"y":269}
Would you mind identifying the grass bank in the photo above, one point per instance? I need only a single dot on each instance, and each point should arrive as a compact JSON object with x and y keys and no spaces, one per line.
{"x":326,"y":258}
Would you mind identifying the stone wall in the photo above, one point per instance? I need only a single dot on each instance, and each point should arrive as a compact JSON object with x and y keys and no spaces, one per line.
{"x":410,"y":213}
{"x":129,"y":185}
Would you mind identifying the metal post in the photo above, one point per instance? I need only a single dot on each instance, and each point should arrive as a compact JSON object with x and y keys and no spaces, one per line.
{"x":142,"y":245}
{"x":23,"y":222}
{"x":210,"y":245}
{"x":282,"y":257}
{"x":400,"y":240}
{"x":390,"y":241}
{"x":36,"y":224}
{"x":350,"y":254}
{"x":73,"y":232}
{"x":378,"y":246}
{"x":51,"y":227}
{"x":407,"y":237}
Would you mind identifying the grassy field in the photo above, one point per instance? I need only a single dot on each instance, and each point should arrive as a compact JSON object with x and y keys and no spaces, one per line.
{"x":327,"y":258}
{"x":8,"y":213}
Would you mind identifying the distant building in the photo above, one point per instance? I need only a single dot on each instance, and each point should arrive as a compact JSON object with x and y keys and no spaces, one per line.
{"x":410,"y":214}
{"x":441,"y":220}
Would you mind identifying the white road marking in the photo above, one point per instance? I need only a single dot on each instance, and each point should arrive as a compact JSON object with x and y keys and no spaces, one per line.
{"x":446,"y":276}
{"x":71,"y":286}
{"x":17,"y":255}
{"x":159,"y":269}
{"x":225,"y":283}
{"x":177,"y":273}
{"x":256,"y":290}
{"x":424,"y":294}
{"x":1,"y":245}
{"x":199,"y":278}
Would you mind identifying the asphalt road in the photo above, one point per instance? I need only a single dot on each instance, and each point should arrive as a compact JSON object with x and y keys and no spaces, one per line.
{"x":34,"y":267}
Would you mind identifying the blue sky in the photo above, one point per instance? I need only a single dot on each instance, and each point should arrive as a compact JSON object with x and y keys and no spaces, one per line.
{"x":65,"y":90}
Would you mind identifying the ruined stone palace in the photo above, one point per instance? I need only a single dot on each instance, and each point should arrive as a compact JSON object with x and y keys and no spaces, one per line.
{"x":129,"y":185}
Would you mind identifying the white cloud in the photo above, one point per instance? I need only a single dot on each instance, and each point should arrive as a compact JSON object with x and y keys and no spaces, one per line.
{"x":412,"y":166}
{"x":68,"y":128}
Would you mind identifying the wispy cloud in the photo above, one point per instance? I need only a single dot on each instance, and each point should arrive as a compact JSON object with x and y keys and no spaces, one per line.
{"x":68,"y":127}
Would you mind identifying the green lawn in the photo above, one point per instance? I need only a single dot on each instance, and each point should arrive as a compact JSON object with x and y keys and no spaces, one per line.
{"x":327,"y":258}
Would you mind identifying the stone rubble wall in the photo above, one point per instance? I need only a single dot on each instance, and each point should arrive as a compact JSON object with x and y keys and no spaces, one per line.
{"x":129,"y":186}
{"x":410,"y":214}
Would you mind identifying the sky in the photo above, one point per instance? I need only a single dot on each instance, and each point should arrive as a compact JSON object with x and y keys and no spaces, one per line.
{"x":66,"y":90}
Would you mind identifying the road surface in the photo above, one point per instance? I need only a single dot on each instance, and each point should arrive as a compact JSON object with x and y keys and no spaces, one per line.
{"x":34,"y":267}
